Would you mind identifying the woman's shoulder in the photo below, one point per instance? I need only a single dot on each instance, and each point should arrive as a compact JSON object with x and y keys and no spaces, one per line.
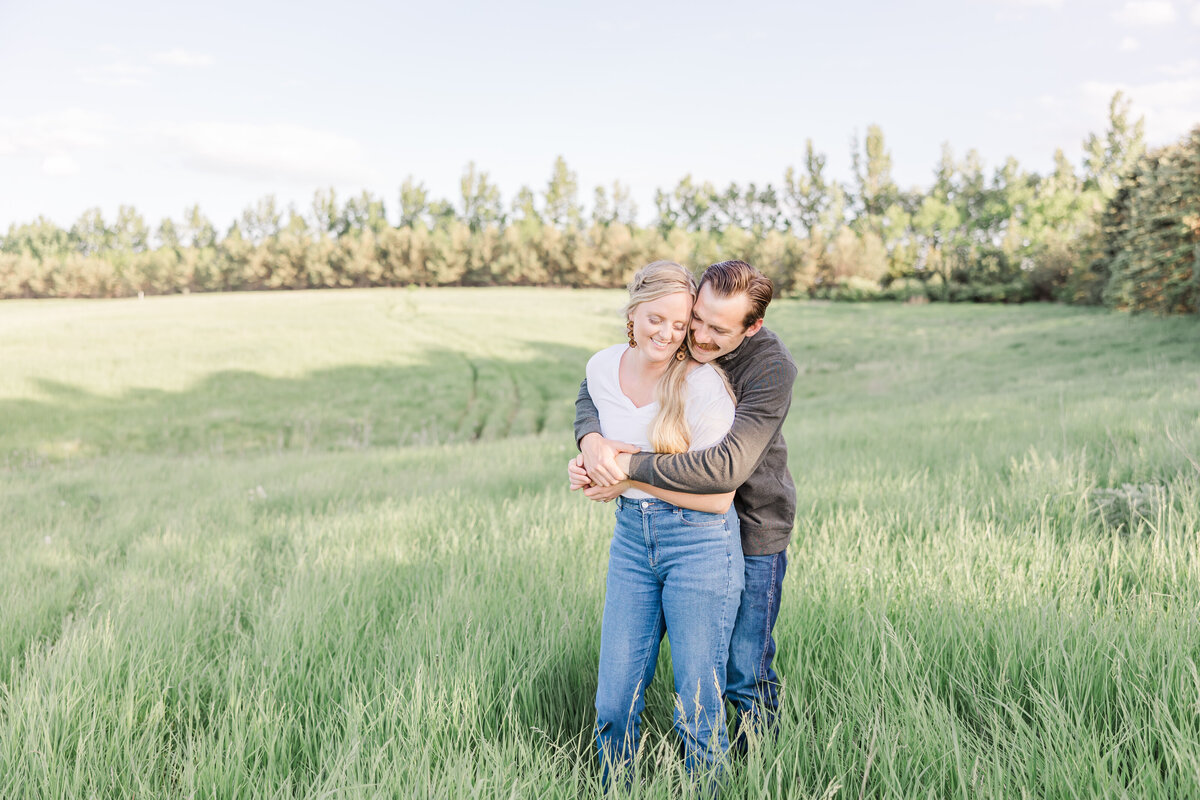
{"x":602,"y":362}
{"x":706,"y":383}
{"x":704,"y":375}
{"x":607,"y":354}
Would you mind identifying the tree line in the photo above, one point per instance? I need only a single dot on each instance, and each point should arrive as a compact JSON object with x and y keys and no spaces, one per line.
{"x":1121,"y":231}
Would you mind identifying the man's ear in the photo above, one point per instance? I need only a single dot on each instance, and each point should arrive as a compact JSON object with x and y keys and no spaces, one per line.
{"x":755,"y":328}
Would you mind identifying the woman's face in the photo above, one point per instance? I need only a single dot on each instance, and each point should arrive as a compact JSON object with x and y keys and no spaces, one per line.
{"x":660,"y":326}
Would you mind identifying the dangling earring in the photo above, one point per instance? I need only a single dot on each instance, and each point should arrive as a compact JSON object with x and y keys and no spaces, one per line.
{"x":681,"y":353}
{"x":629,"y":327}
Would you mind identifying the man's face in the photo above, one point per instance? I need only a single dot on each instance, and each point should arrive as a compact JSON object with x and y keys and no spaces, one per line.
{"x":717,"y":324}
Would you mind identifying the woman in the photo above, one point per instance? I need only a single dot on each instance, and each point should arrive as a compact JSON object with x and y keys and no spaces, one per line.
{"x":676,"y":560}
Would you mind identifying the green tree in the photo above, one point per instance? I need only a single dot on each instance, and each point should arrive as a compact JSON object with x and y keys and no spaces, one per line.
{"x":617,"y":208}
{"x":481,"y":205}
{"x":874,"y":189}
{"x":326,"y":215}
{"x":130,"y":233}
{"x":197,"y":230}
{"x":561,"y":197}
{"x":693,"y":205}
{"x":806,"y":195}
{"x":525,"y":208}
{"x":1114,"y":154}
{"x":363,"y":213}
{"x":91,"y":234}
{"x":414,"y":202}
{"x":260,"y":221}
{"x":167,"y":234}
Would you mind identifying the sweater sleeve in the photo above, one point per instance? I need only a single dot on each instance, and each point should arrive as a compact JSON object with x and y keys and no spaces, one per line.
{"x":762,"y":407}
{"x":587,"y":418}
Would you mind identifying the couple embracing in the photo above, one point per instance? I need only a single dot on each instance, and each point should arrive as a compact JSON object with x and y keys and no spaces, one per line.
{"x":682,"y":426}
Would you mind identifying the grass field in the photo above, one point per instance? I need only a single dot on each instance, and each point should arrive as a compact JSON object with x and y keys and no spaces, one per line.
{"x":320,"y":544}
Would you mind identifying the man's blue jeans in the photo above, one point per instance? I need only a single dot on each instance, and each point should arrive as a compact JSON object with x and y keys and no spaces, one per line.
{"x":753,"y":686}
{"x":683,"y":571}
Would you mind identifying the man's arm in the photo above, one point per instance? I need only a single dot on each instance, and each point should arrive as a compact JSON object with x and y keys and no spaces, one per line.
{"x":762,"y":407}
{"x":599,"y":454}
{"x":587,"y":418}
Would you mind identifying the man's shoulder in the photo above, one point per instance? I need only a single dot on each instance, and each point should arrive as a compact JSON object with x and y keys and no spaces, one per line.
{"x":761,"y":354}
{"x":767,"y":341}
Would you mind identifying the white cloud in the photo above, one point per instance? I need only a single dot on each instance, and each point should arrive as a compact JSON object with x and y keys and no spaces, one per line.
{"x":1181,"y":69}
{"x":60,"y":164}
{"x":177,"y":57}
{"x":1006,"y":116}
{"x":275,"y":151}
{"x":1195,"y":15}
{"x":1171,"y":107}
{"x":55,"y":134}
{"x":1033,"y":3}
{"x":119,"y":74}
{"x":1129,"y":44}
{"x":1146,"y":12}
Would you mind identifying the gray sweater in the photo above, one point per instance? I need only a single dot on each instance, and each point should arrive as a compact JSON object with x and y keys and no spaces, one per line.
{"x":752,"y":458}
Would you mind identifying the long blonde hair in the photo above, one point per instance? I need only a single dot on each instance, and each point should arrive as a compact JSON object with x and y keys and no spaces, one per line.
{"x":669,"y":430}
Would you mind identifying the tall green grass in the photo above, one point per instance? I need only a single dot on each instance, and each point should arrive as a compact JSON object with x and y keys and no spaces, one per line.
{"x":320,"y":545}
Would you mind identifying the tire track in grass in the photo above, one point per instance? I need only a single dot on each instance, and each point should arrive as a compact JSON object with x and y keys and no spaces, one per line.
{"x":472,"y":400}
{"x":499,"y":387}
{"x":514,"y":408}
{"x":528,"y":412}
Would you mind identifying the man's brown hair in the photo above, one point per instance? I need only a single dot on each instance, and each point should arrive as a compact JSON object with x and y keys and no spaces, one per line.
{"x":731,"y":278}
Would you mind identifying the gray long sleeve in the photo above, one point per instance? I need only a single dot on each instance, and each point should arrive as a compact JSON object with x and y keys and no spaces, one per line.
{"x":763,"y":401}
{"x":587,"y":418}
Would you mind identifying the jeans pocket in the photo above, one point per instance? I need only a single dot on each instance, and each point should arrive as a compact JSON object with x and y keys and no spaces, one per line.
{"x":701,"y":519}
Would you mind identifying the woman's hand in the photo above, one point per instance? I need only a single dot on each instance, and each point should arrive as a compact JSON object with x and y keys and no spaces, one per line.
{"x":577,"y":474}
{"x":606,"y":493}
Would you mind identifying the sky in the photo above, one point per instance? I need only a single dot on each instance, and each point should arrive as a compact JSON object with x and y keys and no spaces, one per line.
{"x":164,"y":105}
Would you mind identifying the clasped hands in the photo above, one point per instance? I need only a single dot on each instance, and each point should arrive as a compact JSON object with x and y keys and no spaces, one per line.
{"x":601,"y":470}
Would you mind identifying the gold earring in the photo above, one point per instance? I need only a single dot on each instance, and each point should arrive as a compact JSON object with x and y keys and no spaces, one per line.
{"x":681,"y":353}
{"x":629,"y":327}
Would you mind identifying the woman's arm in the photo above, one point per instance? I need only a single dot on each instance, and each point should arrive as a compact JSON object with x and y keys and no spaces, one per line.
{"x":712,"y":503}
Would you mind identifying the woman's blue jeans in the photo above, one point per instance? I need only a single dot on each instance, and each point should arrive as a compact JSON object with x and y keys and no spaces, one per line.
{"x":680,"y":570}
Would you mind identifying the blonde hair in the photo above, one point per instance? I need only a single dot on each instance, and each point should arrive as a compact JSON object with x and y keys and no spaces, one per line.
{"x":669,"y":430}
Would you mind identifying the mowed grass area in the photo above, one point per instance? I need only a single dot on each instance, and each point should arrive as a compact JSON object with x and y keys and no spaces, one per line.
{"x":320,"y":545}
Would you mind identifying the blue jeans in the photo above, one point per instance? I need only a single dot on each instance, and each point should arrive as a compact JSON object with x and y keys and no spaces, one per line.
{"x":682,"y":571}
{"x":753,"y":686}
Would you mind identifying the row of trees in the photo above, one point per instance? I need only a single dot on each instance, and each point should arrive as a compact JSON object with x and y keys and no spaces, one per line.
{"x":1003,"y":235}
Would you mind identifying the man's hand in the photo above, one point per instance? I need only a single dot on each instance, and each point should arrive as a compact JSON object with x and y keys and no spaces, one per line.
{"x":599,"y":459}
{"x":605,"y":493}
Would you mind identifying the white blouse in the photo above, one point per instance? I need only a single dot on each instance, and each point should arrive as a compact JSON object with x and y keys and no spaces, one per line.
{"x":708,"y":406}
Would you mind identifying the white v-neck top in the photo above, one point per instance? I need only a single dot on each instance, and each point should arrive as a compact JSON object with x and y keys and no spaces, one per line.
{"x":709,"y":408}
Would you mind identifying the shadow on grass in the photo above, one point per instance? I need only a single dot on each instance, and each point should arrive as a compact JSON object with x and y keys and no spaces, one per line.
{"x":446,"y":397}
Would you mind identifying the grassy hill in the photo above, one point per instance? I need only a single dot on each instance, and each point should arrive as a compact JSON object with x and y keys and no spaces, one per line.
{"x":319,"y":544}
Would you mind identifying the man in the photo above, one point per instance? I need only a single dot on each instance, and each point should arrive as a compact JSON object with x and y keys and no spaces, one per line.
{"x":727,"y":328}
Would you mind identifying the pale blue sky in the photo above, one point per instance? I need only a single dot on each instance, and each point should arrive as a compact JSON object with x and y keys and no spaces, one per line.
{"x":162,"y":105}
